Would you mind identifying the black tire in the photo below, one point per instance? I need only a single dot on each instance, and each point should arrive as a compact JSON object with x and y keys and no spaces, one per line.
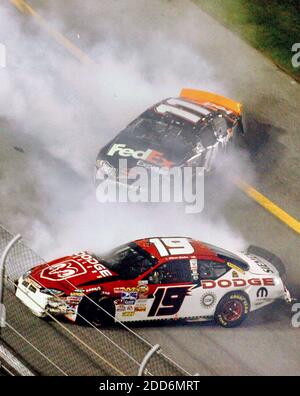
{"x":99,"y":312}
{"x":225,"y":316}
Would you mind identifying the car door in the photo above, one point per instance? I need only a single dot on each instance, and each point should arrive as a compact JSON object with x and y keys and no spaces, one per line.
{"x":169,"y":287}
{"x":207,"y":294}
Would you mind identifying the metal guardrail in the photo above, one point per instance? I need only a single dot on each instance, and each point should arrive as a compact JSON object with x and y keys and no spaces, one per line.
{"x":2,"y":278}
{"x":54,"y":347}
{"x":11,"y":364}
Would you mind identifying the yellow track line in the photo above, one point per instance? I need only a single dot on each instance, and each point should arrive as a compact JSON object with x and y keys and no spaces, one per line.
{"x":82,"y":57}
{"x":269,"y":205}
{"x":25,"y":8}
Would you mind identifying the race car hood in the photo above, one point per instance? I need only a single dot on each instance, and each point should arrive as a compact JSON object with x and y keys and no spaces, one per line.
{"x":140,"y":152}
{"x":72,"y":272}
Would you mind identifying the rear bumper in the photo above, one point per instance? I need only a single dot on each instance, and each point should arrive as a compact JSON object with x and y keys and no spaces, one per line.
{"x":287,"y":296}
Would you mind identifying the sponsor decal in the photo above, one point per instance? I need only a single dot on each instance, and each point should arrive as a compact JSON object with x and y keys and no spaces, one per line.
{"x":143,"y":282}
{"x":62,"y":271}
{"x":129,"y":302}
{"x":77,"y":293}
{"x":140,"y":308}
{"x":225,"y":283}
{"x":120,"y":306}
{"x":142,"y":301}
{"x":94,"y":264}
{"x":235,"y":267}
{"x":194,"y":269}
{"x":125,"y":289}
{"x":259,"y":303}
{"x":125,"y":295}
{"x":262,"y":292}
{"x":235,"y":274}
{"x":143,"y":289}
{"x":140,"y":289}
{"x":151,"y":156}
{"x":73,"y":299}
{"x":93,"y":289}
{"x":264,"y":267}
{"x":128,"y":313}
{"x":208,"y":300}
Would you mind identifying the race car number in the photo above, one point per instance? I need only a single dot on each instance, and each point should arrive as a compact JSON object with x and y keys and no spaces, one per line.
{"x":172,"y":246}
{"x":168,"y":300}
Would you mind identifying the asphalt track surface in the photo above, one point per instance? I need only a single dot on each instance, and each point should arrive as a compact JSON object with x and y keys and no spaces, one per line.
{"x":266,"y":344}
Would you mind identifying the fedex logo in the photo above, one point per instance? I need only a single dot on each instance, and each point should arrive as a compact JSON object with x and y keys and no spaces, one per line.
{"x":152,"y":156}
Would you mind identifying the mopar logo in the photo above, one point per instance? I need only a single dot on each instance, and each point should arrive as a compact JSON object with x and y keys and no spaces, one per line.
{"x":262,"y":292}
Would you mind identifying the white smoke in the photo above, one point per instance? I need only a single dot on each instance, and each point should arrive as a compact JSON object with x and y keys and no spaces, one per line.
{"x":61,"y":112}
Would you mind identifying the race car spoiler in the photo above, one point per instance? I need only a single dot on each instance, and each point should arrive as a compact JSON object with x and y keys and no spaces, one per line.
{"x":265,"y":254}
{"x":203,"y":96}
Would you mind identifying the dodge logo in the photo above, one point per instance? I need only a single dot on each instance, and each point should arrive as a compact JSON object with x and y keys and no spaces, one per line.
{"x":62,"y":271}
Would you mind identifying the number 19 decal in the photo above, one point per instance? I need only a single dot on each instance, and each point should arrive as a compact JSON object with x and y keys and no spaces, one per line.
{"x":168,"y":300}
{"x":172,"y":246}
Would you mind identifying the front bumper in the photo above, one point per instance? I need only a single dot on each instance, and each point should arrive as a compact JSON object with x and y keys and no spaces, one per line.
{"x":28,"y":292}
{"x":41,"y":304}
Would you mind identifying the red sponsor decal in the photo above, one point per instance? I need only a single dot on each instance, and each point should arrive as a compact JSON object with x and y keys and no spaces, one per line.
{"x":224,"y":283}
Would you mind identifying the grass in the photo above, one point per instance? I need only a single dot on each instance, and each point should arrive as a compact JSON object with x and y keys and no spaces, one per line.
{"x":271,"y":26}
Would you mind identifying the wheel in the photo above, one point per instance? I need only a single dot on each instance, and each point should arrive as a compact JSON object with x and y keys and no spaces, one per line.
{"x":232,"y":309}
{"x":97,"y":312}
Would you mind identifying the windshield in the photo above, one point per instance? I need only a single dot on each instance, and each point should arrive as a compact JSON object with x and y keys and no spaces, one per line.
{"x":129,"y":261}
{"x":161,"y":129}
{"x":175,"y":139}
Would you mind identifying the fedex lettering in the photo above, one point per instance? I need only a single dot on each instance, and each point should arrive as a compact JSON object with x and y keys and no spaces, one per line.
{"x":152,"y":156}
{"x":224,"y":283}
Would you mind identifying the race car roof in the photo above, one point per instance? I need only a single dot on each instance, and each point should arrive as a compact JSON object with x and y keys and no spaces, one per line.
{"x":187,"y":110}
{"x":199,"y":250}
